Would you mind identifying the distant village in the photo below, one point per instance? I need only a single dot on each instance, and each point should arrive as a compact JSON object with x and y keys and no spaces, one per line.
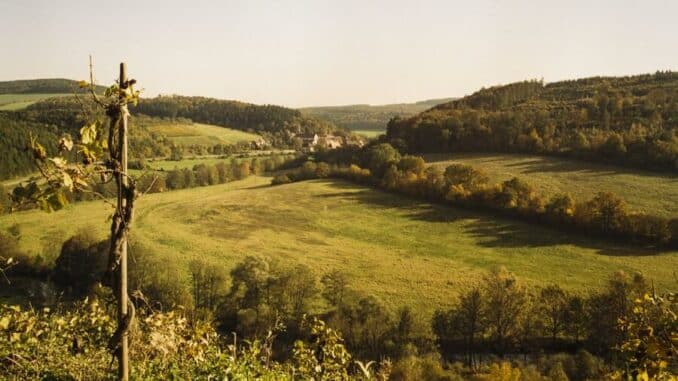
{"x":311,"y":142}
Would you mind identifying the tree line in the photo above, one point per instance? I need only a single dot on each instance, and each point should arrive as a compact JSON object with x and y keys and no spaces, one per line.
{"x":381,"y":165}
{"x":156,"y":181}
{"x":622,"y":120}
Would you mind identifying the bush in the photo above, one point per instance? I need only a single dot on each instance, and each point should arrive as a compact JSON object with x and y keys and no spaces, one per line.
{"x":159,"y":281}
{"x":139,"y":164}
{"x":281,"y":179}
{"x":81,"y":264}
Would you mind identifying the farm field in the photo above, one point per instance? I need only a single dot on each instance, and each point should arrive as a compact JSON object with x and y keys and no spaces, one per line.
{"x":12,"y":102}
{"x":201,"y":134}
{"x":190,"y":162}
{"x":370,"y":133}
{"x":650,"y":192}
{"x":403,"y":251}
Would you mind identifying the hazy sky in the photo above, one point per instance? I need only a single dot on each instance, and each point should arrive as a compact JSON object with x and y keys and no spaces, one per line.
{"x":300,"y":53}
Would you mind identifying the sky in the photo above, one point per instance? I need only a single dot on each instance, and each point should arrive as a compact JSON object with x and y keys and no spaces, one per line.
{"x":310,"y":53}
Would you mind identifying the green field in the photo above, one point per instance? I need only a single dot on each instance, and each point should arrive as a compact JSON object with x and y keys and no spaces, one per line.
{"x":370,"y":133}
{"x":190,"y":162}
{"x":12,"y":102}
{"x":401,"y":250}
{"x":187,"y":134}
{"x":650,"y":192}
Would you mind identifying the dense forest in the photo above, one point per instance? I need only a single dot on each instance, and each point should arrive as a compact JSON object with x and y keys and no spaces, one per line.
{"x":367,"y":117}
{"x":15,"y":134}
{"x":50,"y":118}
{"x":280,"y":126}
{"x":623,"y":120}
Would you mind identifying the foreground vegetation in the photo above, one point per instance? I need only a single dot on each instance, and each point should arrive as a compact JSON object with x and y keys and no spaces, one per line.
{"x":268,"y":306}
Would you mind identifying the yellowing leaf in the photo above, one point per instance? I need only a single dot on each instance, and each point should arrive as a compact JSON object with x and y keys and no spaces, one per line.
{"x":58,"y":161}
{"x":4,"y":322}
{"x":66,"y":143}
{"x":88,"y":134}
{"x":68,"y":181}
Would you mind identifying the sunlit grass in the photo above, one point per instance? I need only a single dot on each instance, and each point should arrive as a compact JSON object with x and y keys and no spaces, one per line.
{"x":650,"y":192}
{"x":201,"y":134}
{"x":12,"y":102}
{"x":403,"y":251}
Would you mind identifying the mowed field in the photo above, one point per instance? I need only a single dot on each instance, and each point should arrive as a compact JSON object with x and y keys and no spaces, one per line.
{"x":12,"y":102}
{"x":403,"y":251}
{"x":187,"y":134}
{"x":644,"y":191}
{"x":166,"y":165}
{"x":369,"y":133}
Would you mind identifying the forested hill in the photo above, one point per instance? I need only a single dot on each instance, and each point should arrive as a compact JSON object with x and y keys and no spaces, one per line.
{"x":279,"y":125}
{"x":629,"y":120}
{"x":46,"y":119}
{"x":363,"y":117}
{"x":41,"y":86}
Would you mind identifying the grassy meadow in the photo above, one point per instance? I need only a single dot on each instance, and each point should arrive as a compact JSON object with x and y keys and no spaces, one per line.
{"x":370,"y":133}
{"x":404,"y":251}
{"x":187,"y":134}
{"x":13,"y":102}
{"x":650,"y":192}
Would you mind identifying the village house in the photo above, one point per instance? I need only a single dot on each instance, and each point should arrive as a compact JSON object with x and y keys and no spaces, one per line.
{"x":311,"y":142}
{"x":331,"y":141}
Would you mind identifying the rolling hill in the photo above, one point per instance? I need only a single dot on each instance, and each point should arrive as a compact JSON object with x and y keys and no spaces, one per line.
{"x":280,"y":126}
{"x":629,"y":120}
{"x":368,"y":119}
{"x":47,"y":109}
{"x":19,"y":94}
{"x":187,"y":134}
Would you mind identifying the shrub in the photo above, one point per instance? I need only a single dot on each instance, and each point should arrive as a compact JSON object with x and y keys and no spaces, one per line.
{"x":81,"y":264}
{"x":281,"y":179}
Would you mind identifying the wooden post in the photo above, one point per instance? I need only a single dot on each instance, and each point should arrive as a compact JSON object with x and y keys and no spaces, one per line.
{"x":123,"y":359}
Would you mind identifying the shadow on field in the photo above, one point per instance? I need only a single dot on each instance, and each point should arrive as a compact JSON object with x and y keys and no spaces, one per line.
{"x":528,"y":164}
{"x":547,"y":164}
{"x":415,"y":209}
{"x":490,"y":230}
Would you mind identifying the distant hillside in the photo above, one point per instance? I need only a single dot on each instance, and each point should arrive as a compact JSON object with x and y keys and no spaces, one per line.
{"x":41,"y":86}
{"x":14,"y":138}
{"x":51,"y":118}
{"x":361,"y":118}
{"x":629,"y":120}
{"x":160,"y":124}
{"x":278,"y":125}
{"x":17,"y":95}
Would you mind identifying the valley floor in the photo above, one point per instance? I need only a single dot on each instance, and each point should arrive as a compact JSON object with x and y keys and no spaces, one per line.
{"x":403,"y":251}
